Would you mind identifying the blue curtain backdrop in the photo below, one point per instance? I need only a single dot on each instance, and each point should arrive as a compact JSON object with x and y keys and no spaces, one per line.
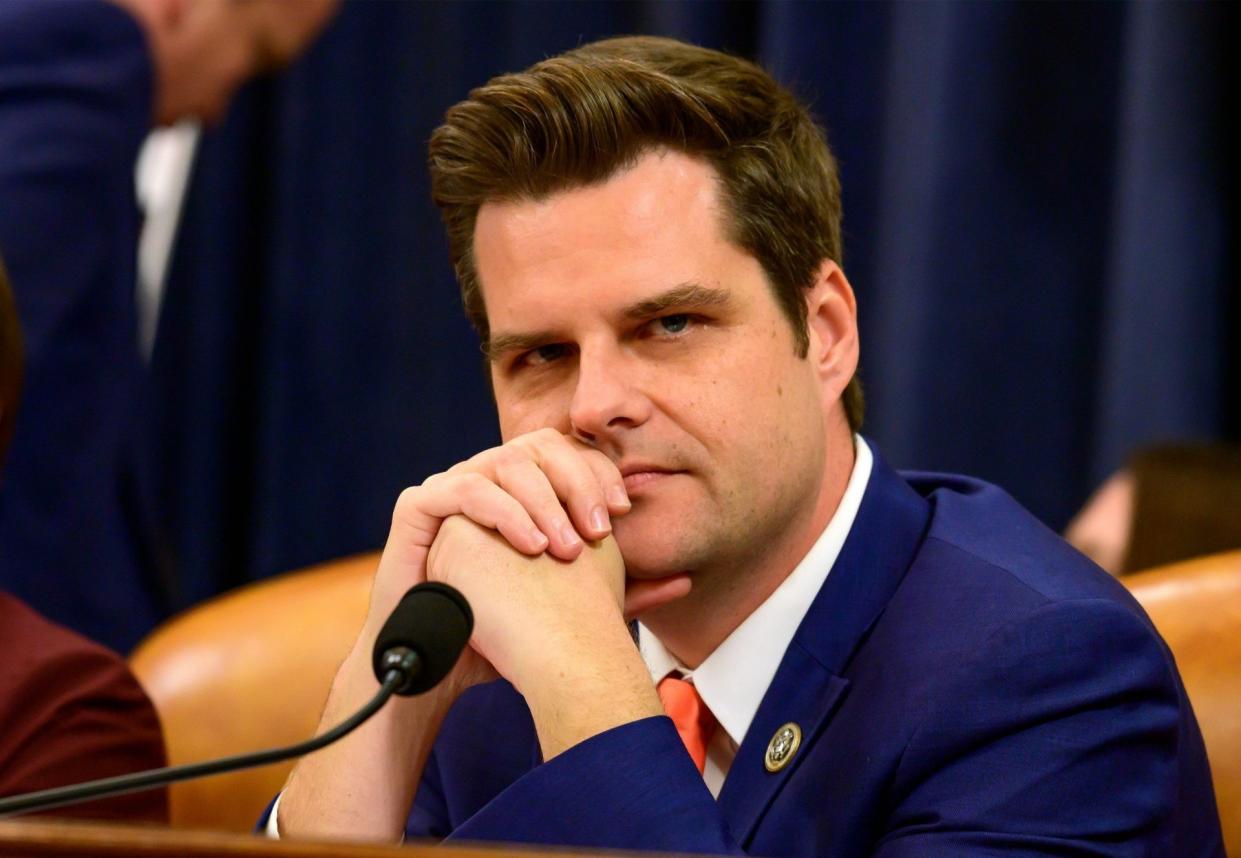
{"x":1039,"y":213}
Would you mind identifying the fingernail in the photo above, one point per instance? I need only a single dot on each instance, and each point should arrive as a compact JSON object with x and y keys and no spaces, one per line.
{"x":569,"y":536}
{"x":617,"y":496}
{"x":538,"y":537}
{"x":599,"y":519}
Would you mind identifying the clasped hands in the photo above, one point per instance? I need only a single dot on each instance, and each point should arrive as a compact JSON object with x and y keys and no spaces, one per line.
{"x":524,"y":532}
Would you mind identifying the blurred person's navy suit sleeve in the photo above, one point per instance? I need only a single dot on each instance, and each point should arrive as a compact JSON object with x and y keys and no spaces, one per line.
{"x":966,"y":684}
{"x":76,"y":101}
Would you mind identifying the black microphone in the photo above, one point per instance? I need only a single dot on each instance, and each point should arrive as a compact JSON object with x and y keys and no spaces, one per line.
{"x":417,"y":647}
{"x":429,"y":627}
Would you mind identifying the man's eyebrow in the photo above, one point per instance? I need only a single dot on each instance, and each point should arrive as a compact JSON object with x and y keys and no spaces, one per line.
{"x":685,"y":296}
{"x":498,"y":346}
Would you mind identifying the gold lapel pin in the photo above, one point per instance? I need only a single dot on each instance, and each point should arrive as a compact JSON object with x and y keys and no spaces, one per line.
{"x":782,"y":747}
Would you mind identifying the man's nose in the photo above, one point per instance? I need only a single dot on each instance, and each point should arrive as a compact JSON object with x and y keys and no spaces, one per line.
{"x":609,"y":396}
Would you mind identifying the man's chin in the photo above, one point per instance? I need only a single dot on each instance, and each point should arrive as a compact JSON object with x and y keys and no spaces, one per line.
{"x":659,"y":539}
{"x":649,"y":560}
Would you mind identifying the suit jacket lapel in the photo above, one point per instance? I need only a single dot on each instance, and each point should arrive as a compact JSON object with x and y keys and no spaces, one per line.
{"x":749,"y":788}
{"x":810,"y":683}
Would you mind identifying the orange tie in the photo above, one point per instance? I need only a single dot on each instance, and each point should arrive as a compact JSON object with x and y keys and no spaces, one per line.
{"x":693,"y":720}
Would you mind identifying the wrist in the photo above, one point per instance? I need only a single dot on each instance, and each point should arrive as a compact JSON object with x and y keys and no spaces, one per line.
{"x":580,"y":693}
{"x":357,"y":678}
{"x":556,"y":647}
{"x":361,"y":787}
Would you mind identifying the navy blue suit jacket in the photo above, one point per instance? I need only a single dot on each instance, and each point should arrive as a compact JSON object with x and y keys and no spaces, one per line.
{"x":76,"y":102}
{"x":965,"y":682}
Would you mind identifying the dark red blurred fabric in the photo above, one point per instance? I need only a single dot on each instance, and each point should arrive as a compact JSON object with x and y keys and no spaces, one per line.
{"x":70,"y":711}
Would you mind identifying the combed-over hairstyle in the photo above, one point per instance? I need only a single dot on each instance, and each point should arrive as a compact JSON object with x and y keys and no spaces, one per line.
{"x":581,"y":117}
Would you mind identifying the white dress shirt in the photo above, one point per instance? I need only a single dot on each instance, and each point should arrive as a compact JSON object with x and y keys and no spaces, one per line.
{"x":733,"y":679}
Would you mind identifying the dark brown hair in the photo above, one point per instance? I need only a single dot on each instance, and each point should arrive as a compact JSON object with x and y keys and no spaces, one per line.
{"x":581,"y":117}
{"x":10,"y":361}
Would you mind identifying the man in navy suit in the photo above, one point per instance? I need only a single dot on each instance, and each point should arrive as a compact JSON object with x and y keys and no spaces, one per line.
{"x":647,"y":236}
{"x":81,"y":84}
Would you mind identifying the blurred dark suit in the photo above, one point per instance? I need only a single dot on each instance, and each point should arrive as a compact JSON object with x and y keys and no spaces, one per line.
{"x":76,"y":102}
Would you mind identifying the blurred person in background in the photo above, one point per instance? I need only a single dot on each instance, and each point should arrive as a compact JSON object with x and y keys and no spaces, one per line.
{"x":81,"y":84}
{"x":70,"y":710}
{"x":1170,"y":502}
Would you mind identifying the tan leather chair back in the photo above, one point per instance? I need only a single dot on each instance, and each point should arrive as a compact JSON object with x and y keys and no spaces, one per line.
{"x":1196,"y":605}
{"x":246,"y":671}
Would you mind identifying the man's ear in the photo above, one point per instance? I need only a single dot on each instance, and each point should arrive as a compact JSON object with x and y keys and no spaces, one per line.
{"x":831,"y":325}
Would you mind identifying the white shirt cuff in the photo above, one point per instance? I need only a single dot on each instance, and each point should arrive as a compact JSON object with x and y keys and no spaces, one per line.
{"x":272,"y":830}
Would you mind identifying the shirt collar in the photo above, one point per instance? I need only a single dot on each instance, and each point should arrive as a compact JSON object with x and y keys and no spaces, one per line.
{"x":733,"y":679}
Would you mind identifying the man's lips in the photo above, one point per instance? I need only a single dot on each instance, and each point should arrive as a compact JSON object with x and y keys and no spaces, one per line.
{"x":639,"y":475}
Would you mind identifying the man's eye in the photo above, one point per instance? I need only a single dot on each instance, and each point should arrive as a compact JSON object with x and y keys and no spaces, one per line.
{"x":544,"y":354}
{"x":673,"y":324}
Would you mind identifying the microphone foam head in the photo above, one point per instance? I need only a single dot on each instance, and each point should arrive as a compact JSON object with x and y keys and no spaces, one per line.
{"x":435,"y":621}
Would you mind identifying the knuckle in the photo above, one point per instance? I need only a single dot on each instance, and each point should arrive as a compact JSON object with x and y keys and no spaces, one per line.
{"x":605,"y":465}
{"x":511,"y":454}
{"x":407,"y":500}
{"x":585,"y":480}
{"x":545,"y":441}
{"x":512,"y":470}
{"x":549,"y":513}
{"x":586,"y":477}
{"x":474,"y":485}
